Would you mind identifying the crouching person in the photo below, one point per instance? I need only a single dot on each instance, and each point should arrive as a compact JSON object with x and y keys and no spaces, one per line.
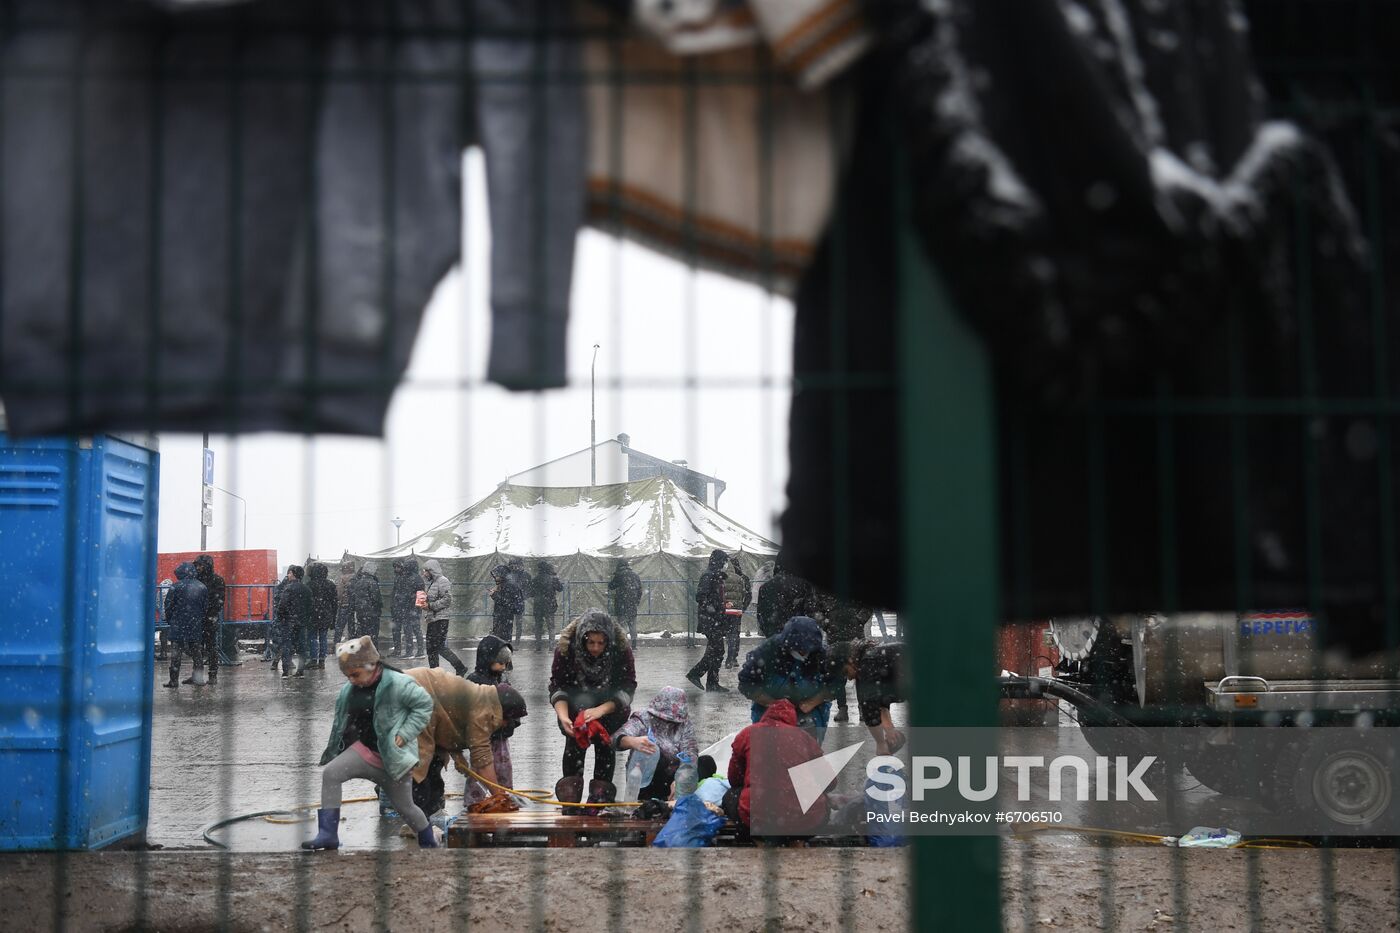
{"x":662,"y":729}
{"x":466,"y":717}
{"x":758,"y":776}
{"x":591,"y":683}
{"x":379,"y":715}
{"x":492,"y":661}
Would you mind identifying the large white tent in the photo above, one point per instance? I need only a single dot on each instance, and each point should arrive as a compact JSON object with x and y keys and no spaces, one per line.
{"x":665,"y":533}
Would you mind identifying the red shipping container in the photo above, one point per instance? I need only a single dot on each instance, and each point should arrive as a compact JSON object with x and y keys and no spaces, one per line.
{"x":246,"y":573}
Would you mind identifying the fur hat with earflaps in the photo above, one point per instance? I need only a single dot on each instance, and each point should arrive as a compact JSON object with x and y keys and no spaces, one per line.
{"x":357,"y":652}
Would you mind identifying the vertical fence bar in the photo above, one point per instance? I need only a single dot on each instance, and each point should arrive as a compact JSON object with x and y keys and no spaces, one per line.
{"x":950,"y":541}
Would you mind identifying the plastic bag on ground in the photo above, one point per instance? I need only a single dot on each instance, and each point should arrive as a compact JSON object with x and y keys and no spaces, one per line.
{"x":691,"y":826}
{"x":1209,"y":837}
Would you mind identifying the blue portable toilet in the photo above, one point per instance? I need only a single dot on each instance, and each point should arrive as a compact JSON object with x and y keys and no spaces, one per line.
{"x":77,"y":560}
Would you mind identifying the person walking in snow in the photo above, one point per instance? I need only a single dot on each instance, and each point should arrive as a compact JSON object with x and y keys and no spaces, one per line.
{"x":438,"y":597}
{"x":324,"y":606}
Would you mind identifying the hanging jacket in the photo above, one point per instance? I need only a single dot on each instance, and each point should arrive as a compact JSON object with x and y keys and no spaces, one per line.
{"x":758,"y":768}
{"x":185,"y":607}
{"x":401,"y":708}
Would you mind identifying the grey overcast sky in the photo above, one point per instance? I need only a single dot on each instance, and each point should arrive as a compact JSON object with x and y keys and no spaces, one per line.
{"x":445,"y":447}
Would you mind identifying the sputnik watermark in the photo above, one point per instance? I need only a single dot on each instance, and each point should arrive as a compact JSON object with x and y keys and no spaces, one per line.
{"x":1113,"y":778}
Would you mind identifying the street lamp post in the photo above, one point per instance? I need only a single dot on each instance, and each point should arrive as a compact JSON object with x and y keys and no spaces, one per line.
{"x":593,"y":420}
{"x":397,"y":523}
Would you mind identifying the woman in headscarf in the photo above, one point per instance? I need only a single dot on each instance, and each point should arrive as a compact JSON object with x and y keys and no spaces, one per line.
{"x":591,"y":683}
{"x":665,"y":727}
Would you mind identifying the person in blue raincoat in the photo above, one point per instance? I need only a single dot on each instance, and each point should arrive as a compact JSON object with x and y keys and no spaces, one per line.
{"x":793,"y":665}
{"x":185,"y":604}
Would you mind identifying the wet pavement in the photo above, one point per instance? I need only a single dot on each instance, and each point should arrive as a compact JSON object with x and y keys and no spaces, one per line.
{"x":253,"y":741}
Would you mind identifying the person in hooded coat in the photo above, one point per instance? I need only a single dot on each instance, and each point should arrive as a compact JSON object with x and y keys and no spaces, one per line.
{"x":507,"y":600}
{"x":345,"y":616}
{"x":663,"y":726}
{"x":466,"y":716}
{"x":271,"y":651}
{"x":738,"y":593}
{"x":593,"y":677}
{"x":405,"y":617}
{"x":625,"y":587}
{"x":293,"y":617}
{"x":324,"y":603}
{"x":185,"y":604}
{"x":213,"y":611}
{"x":709,"y":600}
{"x":493,"y":659}
{"x":544,"y":590}
{"x":437,"y":615}
{"x":515,"y":569}
{"x":780,"y":598}
{"x":878,"y":670}
{"x":367,"y":602}
{"x":758,"y":772}
{"x":792,"y":665}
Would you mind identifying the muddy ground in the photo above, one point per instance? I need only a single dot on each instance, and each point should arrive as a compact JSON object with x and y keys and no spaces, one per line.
{"x":721,"y":890}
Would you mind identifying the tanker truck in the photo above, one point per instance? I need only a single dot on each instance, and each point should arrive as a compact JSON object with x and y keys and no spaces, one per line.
{"x":1220,"y":673}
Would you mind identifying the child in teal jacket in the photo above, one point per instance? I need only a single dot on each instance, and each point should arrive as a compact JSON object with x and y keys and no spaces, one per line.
{"x":374,"y":737}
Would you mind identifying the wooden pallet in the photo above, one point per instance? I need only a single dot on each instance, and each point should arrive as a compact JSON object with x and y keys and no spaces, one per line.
{"x":478,"y":830}
{"x":558,"y":831}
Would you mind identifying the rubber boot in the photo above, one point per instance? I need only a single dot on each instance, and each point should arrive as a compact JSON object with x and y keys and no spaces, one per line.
{"x":426,"y":839}
{"x":570,"y":790}
{"x":601,"y":792}
{"x":328,"y":834}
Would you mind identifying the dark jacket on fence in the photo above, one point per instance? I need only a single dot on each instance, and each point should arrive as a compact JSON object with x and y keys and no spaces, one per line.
{"x":709,"y":596}
{"x":214,"y":584}
{"x":587,"y":681}
{"x":324,"y":598}
{"x":625,"y":588}
{"x":771,"y":670}
{"x":185,"y":607}
{"x":403,"y":603}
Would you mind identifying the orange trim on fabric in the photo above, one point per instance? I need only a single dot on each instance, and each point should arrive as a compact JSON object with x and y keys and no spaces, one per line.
{"x":813,"y":22}
{"x":849,"y":30}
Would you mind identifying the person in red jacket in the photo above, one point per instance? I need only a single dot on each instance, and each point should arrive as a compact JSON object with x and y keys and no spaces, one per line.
{"x":759,"y":776}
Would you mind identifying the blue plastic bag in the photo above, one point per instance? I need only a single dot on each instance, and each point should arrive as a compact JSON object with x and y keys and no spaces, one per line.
{"x":691,"y":826}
